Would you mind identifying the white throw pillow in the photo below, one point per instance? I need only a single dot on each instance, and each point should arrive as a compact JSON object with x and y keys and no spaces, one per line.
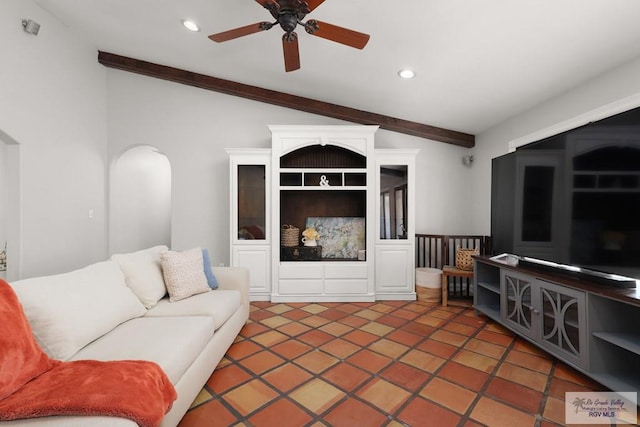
{"x":183,"y":273}
{"x":143,"y":273}
{"x":68,"y":311}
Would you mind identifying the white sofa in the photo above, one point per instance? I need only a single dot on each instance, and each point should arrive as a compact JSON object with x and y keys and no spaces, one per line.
{"x":118,"y":310}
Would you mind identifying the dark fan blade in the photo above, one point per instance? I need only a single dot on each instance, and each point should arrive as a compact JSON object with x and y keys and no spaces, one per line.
{"x":271,"y":5}
{"x":291,"y":52}
{"x":339,"y":34}
{"x":237,"y":32}
{"x":313,"y":3}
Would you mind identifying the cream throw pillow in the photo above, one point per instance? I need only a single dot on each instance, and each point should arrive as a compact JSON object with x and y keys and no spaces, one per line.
{"x":184,"y":273}
{"x":143,"y":273}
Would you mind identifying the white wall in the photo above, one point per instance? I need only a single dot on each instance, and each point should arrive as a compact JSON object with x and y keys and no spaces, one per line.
{"x":442,"y":183}
{"x":4,"y":195}
{"x":608,"y":94}
{"x":193,"y":126}
{"x":4,"y":201}
{"x":10,"y":206}
{"x":53,"y":103}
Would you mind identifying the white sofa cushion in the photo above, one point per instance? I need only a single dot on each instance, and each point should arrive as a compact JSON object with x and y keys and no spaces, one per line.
{"x":171,"y":342}
{"x":219,"y":304}
{"x":143,"y":273}
{"x":68,"y":311}
{"x":184,"y":273}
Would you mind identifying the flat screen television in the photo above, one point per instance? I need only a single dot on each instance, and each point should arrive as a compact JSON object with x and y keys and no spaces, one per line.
{"x":572,"y":201}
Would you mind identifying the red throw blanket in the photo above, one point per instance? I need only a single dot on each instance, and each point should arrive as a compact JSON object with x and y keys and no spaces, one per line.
{"x":33,"y":385}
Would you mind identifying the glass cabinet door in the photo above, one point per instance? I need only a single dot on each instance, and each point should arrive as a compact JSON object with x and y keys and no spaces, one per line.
{"x":563,"y":320}
{"x":251,"y":202}
{"x":518,"y":294}
{"x":393,"y":201}
{"x":250,"y":217}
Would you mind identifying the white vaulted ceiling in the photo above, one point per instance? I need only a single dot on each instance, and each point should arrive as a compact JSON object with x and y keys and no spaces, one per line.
{"x":477,"y":62}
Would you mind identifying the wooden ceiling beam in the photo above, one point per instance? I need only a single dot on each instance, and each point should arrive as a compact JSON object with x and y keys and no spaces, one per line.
{"x":284,"y":99}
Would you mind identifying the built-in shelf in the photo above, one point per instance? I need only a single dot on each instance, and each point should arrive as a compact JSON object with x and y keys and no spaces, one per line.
{"x":628,"y":341}
{"x":492,"y":287}
{"x":315,"y":188}
{"x":616,"y":381}
{"x":492,"y":311}
{"x":488,"y":291}
{"x":325,"y":179}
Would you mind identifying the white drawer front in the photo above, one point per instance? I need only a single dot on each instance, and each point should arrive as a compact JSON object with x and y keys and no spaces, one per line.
{"x":300,"y":287}
{"x":346,"y":271}
{"x":297,"y":270}
{"x":346,"y":286}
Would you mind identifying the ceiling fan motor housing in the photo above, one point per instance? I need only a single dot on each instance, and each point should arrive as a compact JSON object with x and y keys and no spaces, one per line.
{"x":288,"y":21}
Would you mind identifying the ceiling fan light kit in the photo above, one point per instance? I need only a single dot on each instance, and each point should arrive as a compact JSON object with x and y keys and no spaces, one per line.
{"x":288,"y":14}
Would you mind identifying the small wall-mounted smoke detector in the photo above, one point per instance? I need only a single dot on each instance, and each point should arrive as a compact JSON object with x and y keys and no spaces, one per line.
{"x":31,"y":27}
{"x":467,"y":160}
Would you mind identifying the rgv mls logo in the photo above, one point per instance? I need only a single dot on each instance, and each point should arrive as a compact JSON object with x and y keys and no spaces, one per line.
{"x":599,"y":407}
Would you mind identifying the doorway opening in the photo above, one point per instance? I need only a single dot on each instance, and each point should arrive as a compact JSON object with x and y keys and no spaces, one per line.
{"x":10,"y":208}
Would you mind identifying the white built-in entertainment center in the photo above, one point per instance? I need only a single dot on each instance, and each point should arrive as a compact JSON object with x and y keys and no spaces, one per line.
{"x":361,"y":200}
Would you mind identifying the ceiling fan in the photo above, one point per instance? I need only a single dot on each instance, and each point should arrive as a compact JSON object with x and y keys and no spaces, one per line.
{"x":289,"y":14}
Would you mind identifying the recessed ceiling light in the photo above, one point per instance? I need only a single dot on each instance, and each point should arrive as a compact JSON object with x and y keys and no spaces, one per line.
{"x":190,"y":25}
{"x":406,"y":73}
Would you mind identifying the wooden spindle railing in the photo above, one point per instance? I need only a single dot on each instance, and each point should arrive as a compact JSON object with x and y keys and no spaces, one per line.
{"x":436,"y":251}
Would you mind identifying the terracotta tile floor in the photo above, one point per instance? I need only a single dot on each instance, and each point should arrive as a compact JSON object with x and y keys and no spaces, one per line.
{"x":392,"y":363}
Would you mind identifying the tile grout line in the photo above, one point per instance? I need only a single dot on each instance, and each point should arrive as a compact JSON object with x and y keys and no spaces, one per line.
{"x":467,"y":415}
{"x":353,"y":392}
{"x":482,"y":392}
{"x":405,"y":314}
{"x":315,"y":417}
{"x":372,"y":376}
{"x":431,"y":375}
{"x":546,"y":393}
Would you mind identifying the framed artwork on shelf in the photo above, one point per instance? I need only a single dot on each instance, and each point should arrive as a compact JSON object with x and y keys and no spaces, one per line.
{"x":340,"y":237}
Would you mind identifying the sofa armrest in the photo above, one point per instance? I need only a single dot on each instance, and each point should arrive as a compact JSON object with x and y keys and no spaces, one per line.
{"x":234,"y":278}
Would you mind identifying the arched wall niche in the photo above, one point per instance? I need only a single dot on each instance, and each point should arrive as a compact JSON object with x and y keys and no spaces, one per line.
{"x":139,"y":200}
